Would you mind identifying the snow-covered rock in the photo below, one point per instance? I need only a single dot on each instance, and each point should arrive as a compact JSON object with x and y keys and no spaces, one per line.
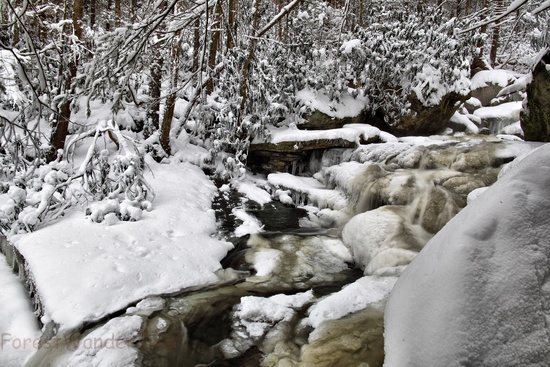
{"x":383,"y":241}
{"x":478,"y":294}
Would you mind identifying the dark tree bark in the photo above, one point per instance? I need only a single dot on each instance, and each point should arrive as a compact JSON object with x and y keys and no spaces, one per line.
{"x":61,"y":127}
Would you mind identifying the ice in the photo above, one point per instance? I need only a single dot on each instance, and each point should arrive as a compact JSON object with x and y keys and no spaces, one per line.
{"x":478,"y":293}
{"x":314,"y":192}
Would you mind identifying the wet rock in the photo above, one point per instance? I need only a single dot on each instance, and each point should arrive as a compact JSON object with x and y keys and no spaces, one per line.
{"x":291,"y":157}
{"x":356,"y":340}
{"x":535,"y":120}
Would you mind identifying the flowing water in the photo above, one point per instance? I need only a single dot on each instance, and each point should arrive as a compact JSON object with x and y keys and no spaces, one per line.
{"x":259,"y":313}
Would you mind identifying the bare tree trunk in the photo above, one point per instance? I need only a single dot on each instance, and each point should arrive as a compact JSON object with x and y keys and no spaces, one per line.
{"x":243,"y":90}
{"x":152,"y":123}
{"x":134,"y":9}
{"x":196,"y":44}
{"x":458,"y":8}
{"x":108,"y":17}
{"x":232,"y":31}
{"x":171,"y":100}
{"x":468,"y":9}
{"x":214,"y":45}
{"x":117,"y":14}
{"x":496,"y":36}
{"x":92,"y":13}
{"x":494,"y":44}
{"x":61,"y":127}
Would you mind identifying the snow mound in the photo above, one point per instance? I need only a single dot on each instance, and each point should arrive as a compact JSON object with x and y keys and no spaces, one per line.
{"x":485,"y":77}
{"x":84,"y":271}
{"x":478,"y":294}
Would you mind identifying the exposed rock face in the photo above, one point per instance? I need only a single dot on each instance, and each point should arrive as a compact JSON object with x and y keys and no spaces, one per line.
{"x":321,"y":121}
{"x":423,"y":120}
{"x":291,"y":157}
{"x":535,"y":121}
{"x":486,"y":94}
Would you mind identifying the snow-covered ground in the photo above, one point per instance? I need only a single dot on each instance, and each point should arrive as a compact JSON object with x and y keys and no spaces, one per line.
{"x":85,"y":270}
{"x":19,"y":332}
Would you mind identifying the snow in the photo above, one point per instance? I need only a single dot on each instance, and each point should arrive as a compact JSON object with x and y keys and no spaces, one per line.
{"x":253,"y":192}
{"x":383,"y":241}
{"x":348,"y":46}
{"x":509,"y":111}
{"x":464,"y":120}
{"x":369,"y":291}
{"x":347,"y":106}
{"x":17,"y":320}
{"x":84,"y":270}
{"x":478,"y":293}
{"x":314,"y":190}
{"x":519,"y":85}
{"x":498,"y":77}
{"x":350,"y":132}
{"x":250,"y":225}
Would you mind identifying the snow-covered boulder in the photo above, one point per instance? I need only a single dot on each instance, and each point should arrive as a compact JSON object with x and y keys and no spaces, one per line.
{"x":487,"y":84}
{"x":478,"y":294}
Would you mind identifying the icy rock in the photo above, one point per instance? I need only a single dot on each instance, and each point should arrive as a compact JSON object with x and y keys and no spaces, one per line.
{"x":479,"y":292}
{"x":382,"y":241}
{"x":356,"y":340}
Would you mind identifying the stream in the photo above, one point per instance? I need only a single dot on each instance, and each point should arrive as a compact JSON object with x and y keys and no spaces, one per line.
{"x":282,"y":298}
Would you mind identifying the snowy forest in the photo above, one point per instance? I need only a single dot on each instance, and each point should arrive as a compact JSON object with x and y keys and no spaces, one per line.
{"x":274,"y":183}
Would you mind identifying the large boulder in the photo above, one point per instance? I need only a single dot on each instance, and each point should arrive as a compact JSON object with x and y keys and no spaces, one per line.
{"x":487,"y":84}
{"x":422,"y":120}
{"x":535,"y":120}
{"x":478,"y":294}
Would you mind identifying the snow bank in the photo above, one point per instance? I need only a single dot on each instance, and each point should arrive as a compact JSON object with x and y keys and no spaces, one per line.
{"x":17,"y":320}
{"x":84,"y":270}
{"x":479,"y":292}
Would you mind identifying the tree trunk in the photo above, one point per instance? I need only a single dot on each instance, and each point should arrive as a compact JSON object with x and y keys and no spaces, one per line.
{"x":117,"y":14}
{"x":134,"y":9}
{"x":243,"y":90}
{"x":61,"y":127}
{"x":214,"y":44}
{"x":494,"y":44}
{"x":171,"y":100}
{"x":232,"y":30}
{"x":92,"y":13}
{"x":152,"y":123}
{"x":196,"y":44}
